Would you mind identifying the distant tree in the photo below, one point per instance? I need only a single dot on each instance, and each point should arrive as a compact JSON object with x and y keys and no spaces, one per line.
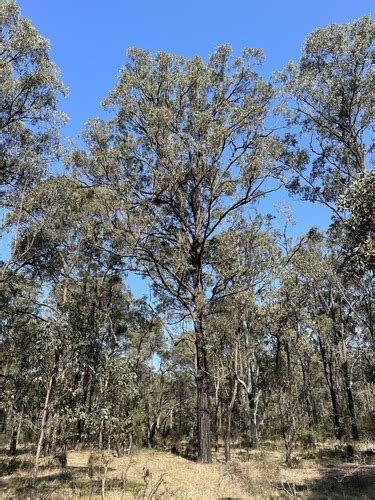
{"x":29,"y":117}
{"x":29,"y":91}
{"x":330,"y":96}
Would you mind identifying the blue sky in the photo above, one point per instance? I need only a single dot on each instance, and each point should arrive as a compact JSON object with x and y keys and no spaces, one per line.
{"x":89,"y":39}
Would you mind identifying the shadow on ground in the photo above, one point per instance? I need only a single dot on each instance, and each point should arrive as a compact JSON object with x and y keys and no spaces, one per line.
{"x":74,"y":478}
{"x":354,"y":481}
{"x":340,"y":481}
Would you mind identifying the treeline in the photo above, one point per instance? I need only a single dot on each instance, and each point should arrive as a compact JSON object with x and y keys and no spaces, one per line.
{"x":249,"y":333}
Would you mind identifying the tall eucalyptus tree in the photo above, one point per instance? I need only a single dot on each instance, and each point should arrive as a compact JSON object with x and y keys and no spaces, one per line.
{"x":188,"y":147}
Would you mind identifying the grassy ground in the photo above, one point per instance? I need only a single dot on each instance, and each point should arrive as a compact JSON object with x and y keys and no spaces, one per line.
{"x":322,"y":472}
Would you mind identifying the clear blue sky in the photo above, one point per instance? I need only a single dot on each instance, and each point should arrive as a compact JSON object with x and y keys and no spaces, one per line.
{"x":89,"y":39}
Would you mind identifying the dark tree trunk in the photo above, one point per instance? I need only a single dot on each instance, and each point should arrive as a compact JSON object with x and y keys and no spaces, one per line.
{"x":345,"y":370}
{"x":13,"y":441}
{"x":87,"y":389}
{"x":339,"y":429}
{"x":17,"y":424}
{"x":349,"y":393}
{"x":332,"y":386}
{"x":46,"y":447}
{"x":3,"y":420}
{"x":151,"y":431}
{"x":202,"y":382}
{"x":228,"y":436}
{"x":307,"y":394}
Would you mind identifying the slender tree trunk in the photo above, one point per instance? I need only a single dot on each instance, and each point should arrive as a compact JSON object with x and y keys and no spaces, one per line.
{"x":13,"y":441}
{"x":254,"y":438}
{"x":15,"y":433}
{"x":203,"y":414}
{"x":86,"y":384}
{"x":19,"y":427}
{"x":151,"y":430}
{"x":54,"y":434}
{"x":229,"y":421}
{"x":46,"y":448}
{"x":339,"y":429}
{"x":311,"y":413}
{"x":345,"y":370}
{"x":3,"y":420}
{"x":180,"y":407}
{"x":216,"y":437}
{"x":100,"y":439}
{"x":349,"y":393}
{"x":42,"y":428}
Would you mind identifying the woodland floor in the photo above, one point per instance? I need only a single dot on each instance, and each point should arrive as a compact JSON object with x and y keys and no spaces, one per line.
{"x":322,"y":472}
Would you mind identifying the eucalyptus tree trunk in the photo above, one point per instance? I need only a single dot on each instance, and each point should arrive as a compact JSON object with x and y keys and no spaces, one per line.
{"x":86,"y":383}
{"x":329,"y":372}
{"x":103,"y":387}
{"x":350,"y":399}
{"x":229,"y":421}
{"x":202,"y":383}
{"x":253,"y":407}
{"x":13,"y":440}
{"x":346,"y":372}
{"x":42,"y":427}
{"x":20,"y":421}
{"x":151,"y":431}
{"x":17,"y":410}
{"x":308,"y":396}
{"x":217,"y":415}
{"x":201,"y":362}
{"x":249,"y":368}
{"x":16,"y":430}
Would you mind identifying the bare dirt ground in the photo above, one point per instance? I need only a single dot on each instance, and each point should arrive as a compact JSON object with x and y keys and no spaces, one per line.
{"x":322,"y":472}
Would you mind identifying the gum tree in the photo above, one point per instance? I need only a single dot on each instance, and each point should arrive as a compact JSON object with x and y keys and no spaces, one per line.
{"x":330,"y":92}
{"x":29,"y":117}
{"x":187,"y":148}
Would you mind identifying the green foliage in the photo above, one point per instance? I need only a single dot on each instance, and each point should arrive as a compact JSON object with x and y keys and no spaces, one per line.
{"x":359,"y":201}
{"x":29,"y":90}
{"x":331,"y":91}
{"x":188,"y":146}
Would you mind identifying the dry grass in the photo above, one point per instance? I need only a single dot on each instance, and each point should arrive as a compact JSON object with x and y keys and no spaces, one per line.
{"x":323,"y":473}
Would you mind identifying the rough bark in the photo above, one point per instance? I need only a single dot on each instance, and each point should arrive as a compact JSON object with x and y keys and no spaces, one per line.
{"x":333,"y":390}
{"x":350,"y":399}
{"x":202,"y":383}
